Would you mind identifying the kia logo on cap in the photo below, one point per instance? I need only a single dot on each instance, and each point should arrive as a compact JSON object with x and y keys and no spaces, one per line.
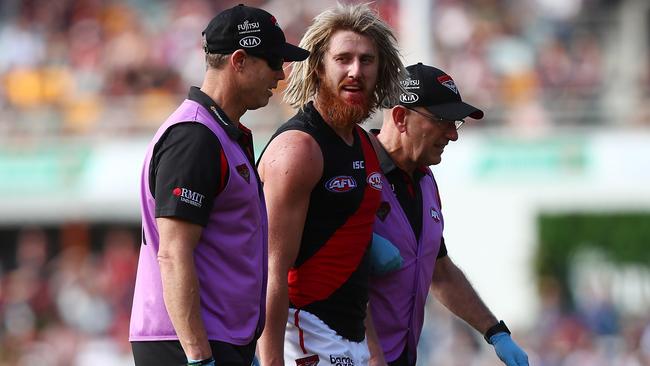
{"x":250,"y":41}
{"x":409,"y":98}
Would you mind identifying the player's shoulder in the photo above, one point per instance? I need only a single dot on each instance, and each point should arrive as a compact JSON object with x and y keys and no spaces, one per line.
{"x":294,"y":158}
{"x":293,"y":145}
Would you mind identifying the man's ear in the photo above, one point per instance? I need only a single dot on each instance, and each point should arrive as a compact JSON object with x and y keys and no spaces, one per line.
{"x":399,"y":117}
{"x":238,"y":60}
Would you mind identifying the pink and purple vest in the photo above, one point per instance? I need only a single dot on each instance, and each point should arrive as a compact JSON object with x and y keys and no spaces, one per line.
{"x":397,"y":300}
{"x":230,"y":259}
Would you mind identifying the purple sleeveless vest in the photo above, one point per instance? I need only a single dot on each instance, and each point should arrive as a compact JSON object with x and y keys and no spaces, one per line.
{"x":397,"y":300}
{"x":231,"y":257}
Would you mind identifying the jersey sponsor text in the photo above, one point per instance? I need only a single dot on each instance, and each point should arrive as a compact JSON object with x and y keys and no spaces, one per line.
{"x":188,"y":196}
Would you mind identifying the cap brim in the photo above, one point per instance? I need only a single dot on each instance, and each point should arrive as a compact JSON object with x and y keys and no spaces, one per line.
{"x":455,"y":111}
{"x":290,"y":52}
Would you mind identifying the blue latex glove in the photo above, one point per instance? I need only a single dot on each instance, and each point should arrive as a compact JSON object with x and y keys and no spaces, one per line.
{"x":508,"y":351}
{"x":384,"y":256}
{"x":255,"y":362}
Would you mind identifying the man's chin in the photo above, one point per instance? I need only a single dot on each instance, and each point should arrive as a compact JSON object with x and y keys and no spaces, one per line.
{"x":355,"y":100}
{"x":258,"y":106}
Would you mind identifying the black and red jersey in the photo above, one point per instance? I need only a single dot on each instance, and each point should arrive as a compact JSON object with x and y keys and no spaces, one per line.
{"x":330,"y":276}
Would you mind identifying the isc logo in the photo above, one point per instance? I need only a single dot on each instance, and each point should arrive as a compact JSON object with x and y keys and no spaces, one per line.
{"x":250,"y":41}
{"x":408,"y":98}
{"x":340,"y":184}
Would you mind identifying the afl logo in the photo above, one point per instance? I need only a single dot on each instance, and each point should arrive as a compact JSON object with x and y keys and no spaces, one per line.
{"x":250,"y":41}
{"x":374,"y":180}
{"x":409,"y":98}
{"x":340,"y":184}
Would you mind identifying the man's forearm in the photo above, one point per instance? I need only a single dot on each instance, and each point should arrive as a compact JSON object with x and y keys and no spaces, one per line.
{"x":181,"y":295}
{"x":271,"y":344}
{"x":456,"y":293}
{"x":374,"y":344}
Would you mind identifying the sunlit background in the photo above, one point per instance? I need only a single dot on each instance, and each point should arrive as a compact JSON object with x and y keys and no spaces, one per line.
{"x":546,"y":200}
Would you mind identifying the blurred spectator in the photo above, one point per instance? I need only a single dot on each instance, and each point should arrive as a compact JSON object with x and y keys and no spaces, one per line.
{"x":60,"y":310}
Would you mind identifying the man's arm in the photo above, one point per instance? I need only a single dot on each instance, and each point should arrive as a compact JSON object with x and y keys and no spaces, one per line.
{"x":290,"y":168}
{"x":180,"y":284}
{"x":456,"y":293}
{"x":453,"y":290}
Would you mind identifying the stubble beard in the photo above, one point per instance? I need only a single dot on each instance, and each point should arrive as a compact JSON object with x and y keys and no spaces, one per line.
{"x":342,"y":113}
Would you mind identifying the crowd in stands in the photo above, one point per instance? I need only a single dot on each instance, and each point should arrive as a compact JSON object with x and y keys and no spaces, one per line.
{"x":65,"y":300}
{"x":87,"y":66}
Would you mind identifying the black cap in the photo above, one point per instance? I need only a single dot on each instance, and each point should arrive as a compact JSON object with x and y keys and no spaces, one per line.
{"x":436,"y":91}
{"x":251,"y":29}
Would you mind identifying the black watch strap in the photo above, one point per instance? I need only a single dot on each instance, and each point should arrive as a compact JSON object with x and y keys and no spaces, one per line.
{"x":497,"y":328}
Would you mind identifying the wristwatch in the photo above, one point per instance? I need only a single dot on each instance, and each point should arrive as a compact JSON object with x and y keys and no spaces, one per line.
{"x":497,"y":328}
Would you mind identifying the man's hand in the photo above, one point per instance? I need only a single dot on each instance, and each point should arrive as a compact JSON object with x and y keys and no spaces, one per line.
{"x":384,"y":256}
{"x":508,"y":351}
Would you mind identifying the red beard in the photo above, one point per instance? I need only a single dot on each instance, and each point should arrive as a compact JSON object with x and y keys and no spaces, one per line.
{"x":341,"y":112}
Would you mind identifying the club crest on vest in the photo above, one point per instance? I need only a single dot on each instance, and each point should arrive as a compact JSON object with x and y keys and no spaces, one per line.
{"x":383,"y":210}
{"x":244,"y":172}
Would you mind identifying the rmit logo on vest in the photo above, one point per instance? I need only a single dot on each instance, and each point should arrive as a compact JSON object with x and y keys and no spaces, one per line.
{"x":338,"y":360}
{"x":340,"y":184}
{"x":187,"y":196}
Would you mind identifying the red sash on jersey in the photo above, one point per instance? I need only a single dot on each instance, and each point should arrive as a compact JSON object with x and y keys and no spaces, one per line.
{"x":323,"y":273}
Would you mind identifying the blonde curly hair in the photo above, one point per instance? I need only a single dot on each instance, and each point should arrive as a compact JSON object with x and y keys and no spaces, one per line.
{"x":302,"y":83}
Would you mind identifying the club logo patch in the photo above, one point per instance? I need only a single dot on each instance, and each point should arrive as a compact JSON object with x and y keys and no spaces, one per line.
{"x":374,"y":180}
{"x":244,"y":172}
{"x":341,"y":184}
{"x":447,"y":81}
{"x":435,"y":215}
{"x":275,"y":21}
{"x":383,"y":210}
{"x":308,"y":361}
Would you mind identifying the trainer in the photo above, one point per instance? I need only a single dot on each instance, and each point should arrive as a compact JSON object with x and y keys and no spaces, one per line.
{"x":201,"y":281}
{"x":413,"y":137}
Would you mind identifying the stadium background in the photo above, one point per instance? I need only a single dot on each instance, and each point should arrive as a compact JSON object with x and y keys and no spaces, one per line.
{"x":547,"y":200}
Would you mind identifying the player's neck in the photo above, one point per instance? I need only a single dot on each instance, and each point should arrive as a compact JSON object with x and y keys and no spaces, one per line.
{"x":346,"y":132}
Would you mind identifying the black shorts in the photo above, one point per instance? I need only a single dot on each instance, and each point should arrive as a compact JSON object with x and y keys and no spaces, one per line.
{"x":402,"y":360}
{"x":170,"y":353}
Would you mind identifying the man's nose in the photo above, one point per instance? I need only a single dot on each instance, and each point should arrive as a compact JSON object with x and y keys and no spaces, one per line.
{"x":354,"y":70}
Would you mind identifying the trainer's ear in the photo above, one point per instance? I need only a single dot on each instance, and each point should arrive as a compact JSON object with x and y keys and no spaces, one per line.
{"x":399,"y":117}
{"x":238,"y":60}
